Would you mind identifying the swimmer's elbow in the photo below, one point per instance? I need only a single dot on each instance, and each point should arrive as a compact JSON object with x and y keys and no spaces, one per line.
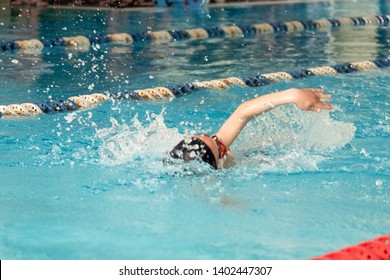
{"x":243,"y":113}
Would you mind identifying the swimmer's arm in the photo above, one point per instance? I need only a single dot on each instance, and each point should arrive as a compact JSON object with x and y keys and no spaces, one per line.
{"x":305,"y":99}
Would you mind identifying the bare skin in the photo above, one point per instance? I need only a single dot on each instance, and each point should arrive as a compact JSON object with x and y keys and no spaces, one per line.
{"x":309,"y":99}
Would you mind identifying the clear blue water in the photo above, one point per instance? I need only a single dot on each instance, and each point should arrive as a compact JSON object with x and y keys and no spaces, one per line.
{"x":92,"y":184}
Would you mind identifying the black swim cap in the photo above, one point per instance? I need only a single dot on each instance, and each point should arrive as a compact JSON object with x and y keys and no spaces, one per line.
{"x":192,"y":149}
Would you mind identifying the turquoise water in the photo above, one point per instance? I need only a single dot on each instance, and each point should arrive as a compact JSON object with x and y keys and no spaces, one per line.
{"x":92,"y":184}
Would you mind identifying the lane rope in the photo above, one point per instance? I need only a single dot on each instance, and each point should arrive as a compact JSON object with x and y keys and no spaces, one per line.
{"x":375,"y":249}
{"x":91,"y":100}
{"x":82,"y":42}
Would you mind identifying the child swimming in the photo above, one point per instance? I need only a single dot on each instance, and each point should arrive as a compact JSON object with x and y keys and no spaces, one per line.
{"x":214,"y":149}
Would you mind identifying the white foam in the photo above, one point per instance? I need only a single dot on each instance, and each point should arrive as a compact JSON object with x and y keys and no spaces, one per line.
{"x":289,"y":139}
{"x":123,"y":143}
{"x":286,"y":139}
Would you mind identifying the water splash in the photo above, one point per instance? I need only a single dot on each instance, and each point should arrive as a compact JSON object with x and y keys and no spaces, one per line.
{"x":290,"y":140}
{"x":285,"y":139}
{"x":123,"y":143}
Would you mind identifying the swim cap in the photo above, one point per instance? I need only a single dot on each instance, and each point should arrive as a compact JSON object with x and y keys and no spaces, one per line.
{"x":194,"y":148}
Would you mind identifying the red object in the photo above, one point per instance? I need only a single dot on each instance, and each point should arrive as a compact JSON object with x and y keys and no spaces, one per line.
{"x":376,"y":249}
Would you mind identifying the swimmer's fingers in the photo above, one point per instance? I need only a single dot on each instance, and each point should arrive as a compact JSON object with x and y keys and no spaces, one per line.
{"x":319,"y":92}
{"x":324,"y":96}
{"x":321,"y":106}
{"x":312,"y":99}
{"x":315,"y":90}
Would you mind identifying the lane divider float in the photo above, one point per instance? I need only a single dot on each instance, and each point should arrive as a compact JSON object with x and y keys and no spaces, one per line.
{"x":239,"y":30}
{"x":375,"y":249}
{"x":90,"y":100}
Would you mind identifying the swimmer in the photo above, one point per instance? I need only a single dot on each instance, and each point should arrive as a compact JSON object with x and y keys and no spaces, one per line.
{"x":214,"y":149}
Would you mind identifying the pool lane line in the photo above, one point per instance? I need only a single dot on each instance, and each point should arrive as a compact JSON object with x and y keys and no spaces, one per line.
{"x":375,"y":249}
{"x":84,"y":43}
{"x":90,"y":100}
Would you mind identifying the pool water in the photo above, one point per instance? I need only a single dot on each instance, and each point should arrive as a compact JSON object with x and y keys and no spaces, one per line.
{"x":95,"y":184}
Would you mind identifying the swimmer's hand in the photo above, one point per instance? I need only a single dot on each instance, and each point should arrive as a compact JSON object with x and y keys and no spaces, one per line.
{"x":310,"y":99}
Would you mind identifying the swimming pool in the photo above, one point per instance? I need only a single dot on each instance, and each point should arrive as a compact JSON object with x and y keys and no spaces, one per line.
{"x":91,"y":184}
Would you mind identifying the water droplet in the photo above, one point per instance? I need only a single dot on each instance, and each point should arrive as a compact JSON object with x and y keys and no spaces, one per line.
{"x":378,"y":182}
{"x":364,"y":152}
{"x":91,"y":86}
